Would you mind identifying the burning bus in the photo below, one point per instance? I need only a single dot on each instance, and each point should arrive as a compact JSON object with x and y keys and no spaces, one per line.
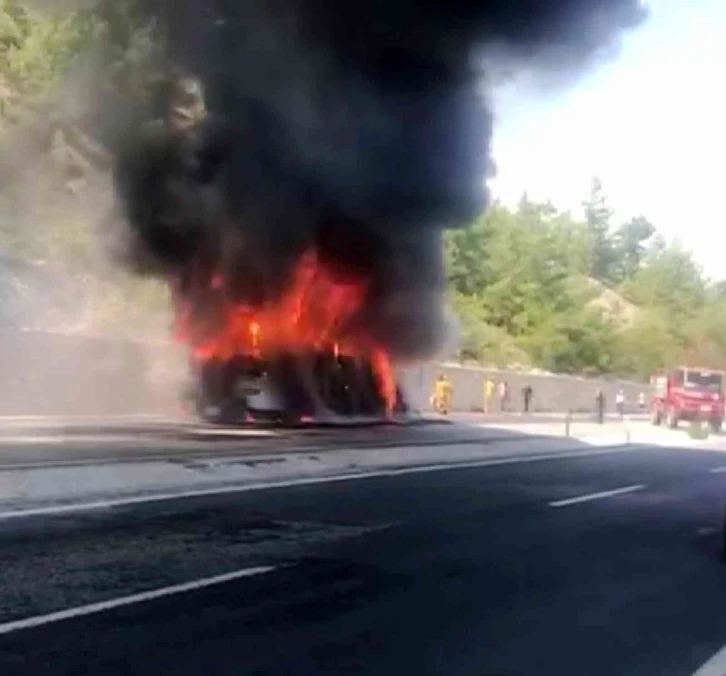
{"x":288,"y":360}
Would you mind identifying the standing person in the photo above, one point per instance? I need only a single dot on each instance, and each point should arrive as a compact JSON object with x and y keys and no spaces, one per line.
{"x":441,"y":397}
{"x":620,"y":402}
{"x":435,"y":398}
{"x":600,"y":405}
{"x":503,"y":396}
{"x":488,"y":394}
{"x":447,"y":390}
{"x":526,"y":397}
{"x":641,"y":401}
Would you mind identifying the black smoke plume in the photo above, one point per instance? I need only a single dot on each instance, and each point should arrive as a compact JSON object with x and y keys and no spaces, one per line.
{"x":360,"y":128}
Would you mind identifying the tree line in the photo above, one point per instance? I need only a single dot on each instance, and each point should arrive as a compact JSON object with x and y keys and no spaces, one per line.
{"x":533,"y":286}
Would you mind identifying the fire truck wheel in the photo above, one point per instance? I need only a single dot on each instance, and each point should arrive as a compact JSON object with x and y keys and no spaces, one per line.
{"x":672,"y":419}
{"x":716,"y":425}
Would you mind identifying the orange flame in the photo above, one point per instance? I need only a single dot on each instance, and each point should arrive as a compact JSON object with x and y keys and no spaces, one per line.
{"x":384,"y":376}
{"x":314,"y":313}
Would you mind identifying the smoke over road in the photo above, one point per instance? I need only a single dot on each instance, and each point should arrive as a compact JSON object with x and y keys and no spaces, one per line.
{"x":358,"y":131}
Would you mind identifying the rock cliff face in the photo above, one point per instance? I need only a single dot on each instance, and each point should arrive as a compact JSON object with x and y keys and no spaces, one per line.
{"x":612,"y":304}
{"x":33,"y":297}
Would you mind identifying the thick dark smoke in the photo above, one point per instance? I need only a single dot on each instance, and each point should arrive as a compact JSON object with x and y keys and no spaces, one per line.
{"x":361,"y":128}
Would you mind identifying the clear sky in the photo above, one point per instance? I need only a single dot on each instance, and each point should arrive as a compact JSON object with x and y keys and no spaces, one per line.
{"x":651,"y":123}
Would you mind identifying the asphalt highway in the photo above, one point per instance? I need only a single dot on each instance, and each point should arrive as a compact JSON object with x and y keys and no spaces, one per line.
{"x":50,"y":443}
{"x":607,"y":564}
{"x":47,"y":441}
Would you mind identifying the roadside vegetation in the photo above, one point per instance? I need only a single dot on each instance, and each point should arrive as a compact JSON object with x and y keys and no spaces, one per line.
{"x":55,"y":197}
{"x":536,"y":287}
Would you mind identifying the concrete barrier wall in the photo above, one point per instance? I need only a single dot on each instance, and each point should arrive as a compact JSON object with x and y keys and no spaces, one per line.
{"x":551,"y":392}
{"x":55,"y":374}
{"x":44,"y":373}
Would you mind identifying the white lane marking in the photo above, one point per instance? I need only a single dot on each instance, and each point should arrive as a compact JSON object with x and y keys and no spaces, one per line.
{"x":718,"y":470}
{"x":596,"y":496}
{"x":290,"y":483}
{"x":222,"y":431}
{"x":92,"y":608}
{"x":32,"y":439}
{"x":716,"y":666}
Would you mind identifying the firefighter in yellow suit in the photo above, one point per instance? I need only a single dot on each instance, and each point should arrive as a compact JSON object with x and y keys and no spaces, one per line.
{"x":441,"y":398}
{"x":489,"y":386}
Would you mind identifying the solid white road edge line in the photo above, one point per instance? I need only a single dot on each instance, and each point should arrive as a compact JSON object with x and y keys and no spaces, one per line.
{"x":310,"y":481}
{"x":102,"y":606}
{"x":716,"y":666}
{"x":596,"y":496}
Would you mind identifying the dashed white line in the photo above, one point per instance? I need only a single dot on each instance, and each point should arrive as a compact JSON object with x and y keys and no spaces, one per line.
{"x":596,"y":496}
{"x":291,"y":483}
{"x":718,"y":470}
{"x":93,"y":608}
{"x":716,"y":666}
{"x":32,"y":439}
{"x":230,"y":432}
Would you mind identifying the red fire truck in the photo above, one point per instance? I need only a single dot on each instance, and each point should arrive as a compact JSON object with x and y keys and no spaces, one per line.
{"x":688,"y":393}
